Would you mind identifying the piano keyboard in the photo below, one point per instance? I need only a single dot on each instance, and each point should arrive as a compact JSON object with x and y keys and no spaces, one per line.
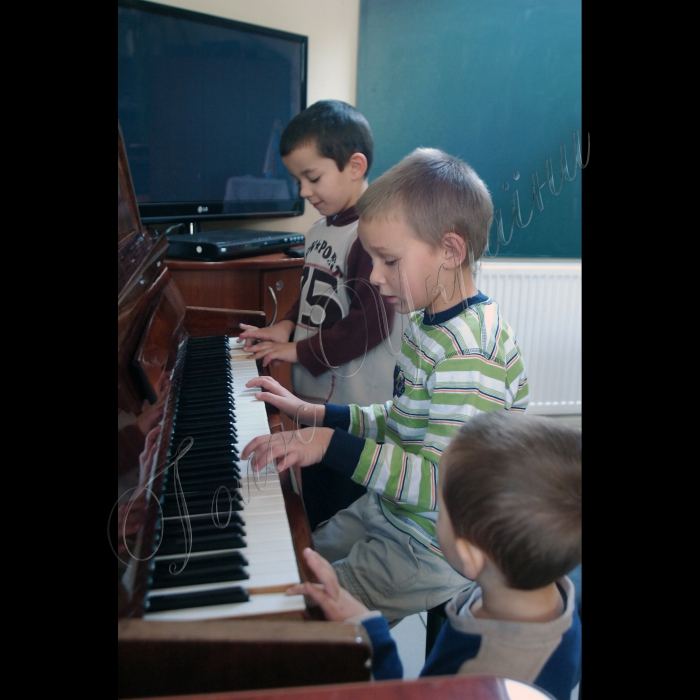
{"x":244,"y":568}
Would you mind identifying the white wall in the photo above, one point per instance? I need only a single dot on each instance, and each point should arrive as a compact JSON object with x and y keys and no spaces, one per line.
{"x":333,"y":30}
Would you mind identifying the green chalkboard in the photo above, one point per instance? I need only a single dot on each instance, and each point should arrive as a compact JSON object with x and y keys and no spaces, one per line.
{"x":496,"y":83}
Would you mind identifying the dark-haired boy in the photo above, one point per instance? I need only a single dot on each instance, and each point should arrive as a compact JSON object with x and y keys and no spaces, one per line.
{"x":510,"y":518}
{"x":340,"y":335}
{"x":339,"y":320}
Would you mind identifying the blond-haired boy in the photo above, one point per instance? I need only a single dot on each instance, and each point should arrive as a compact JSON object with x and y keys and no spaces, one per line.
{"x":425,"y":225}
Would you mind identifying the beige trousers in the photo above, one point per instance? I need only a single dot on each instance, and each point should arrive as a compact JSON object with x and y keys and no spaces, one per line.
{"x":383,"y":567}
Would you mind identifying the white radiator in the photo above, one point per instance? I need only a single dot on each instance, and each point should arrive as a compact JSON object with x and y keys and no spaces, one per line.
{"x":542,"y":302}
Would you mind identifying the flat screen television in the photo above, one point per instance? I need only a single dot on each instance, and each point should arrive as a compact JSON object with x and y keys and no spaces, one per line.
{"x":202,"y":103}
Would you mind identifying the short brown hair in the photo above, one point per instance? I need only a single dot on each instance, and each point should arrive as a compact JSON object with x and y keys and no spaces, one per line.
{"x":435,"y":193}
{"x":512,"y":487}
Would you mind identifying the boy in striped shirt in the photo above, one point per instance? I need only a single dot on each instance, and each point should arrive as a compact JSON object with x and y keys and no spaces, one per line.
{"x":425,"y":225}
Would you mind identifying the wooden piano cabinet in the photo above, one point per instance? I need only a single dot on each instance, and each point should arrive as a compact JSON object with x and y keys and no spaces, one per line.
{"x":201,"y":322}
{"x":266,"y":283}
{"x":164,"y":658}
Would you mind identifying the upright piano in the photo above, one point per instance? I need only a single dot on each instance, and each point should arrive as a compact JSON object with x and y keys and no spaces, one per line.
{"x":204,"y":549}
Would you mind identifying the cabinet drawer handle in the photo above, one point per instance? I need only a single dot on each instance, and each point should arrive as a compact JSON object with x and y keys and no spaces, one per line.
{"x":274,"y":298}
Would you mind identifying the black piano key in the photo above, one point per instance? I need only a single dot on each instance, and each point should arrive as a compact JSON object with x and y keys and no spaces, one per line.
{"x":212,"y":421}
{"x":203,"y":432}
{"x":203,"y":486}
{"x":222,"y":518}
{"x":210,"y":377}
{"x":214,"y":477}
{"x":219,"y":492}
{"x":227,"y":463}
{"x":209,"y":387}
{"x":178,"y":601}
{"x":221,"y":423}
{"x":188,"y":577}
{"x":200,"y":351}
{"x":199,"y":383}
{"x":202,"y":526}
{"x":205,"y":449}
{"x":207,"y":568}
{"x":218,"y":456}
{"x":197,"y":414}
{"x":209,"y":468}
{"x":201,"y":446}
{"x":214,"y":436}
{"x":206,"y":443}
{"x":223,"y":495}
{"x":209,"y":369}
{"x":203,"y":395}
{"x":196,"y":365}
{"x":201,"y":506}
{"x":207,"y":375}
{"x":196,"y":485}
{"x":198,"y":578}
{"x":209,"y":444}
{"x":200,"y":449}
{"x":218,"y":441}
{"x":205,"y":361}
{"x":224,"y":460}
{"x":216,"y":424}
{"x":200,"y":562}
{"x":206,"y":404}
{"x":202,"y":543}
{"x":198,"y":504}
{"x":199,"y":400}
{"x":196,"y":396}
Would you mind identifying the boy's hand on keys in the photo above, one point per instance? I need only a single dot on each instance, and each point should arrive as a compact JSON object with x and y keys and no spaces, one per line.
{"x":279,"y":333}
{"x":337,"y":604}
{"x":274,"y":393}
{"x":294,"y":448}
{"x":274,"y":353}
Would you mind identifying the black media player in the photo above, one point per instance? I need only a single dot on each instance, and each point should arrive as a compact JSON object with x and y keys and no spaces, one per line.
{"x":234,"y":243}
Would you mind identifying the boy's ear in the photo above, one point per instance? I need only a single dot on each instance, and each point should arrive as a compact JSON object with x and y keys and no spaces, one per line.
{"x":473,"y":558}
{"x":357,"y":165}
{"x":455,"y":250}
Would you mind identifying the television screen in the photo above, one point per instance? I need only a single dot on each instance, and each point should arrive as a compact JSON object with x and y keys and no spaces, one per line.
{"x":202,"y":102}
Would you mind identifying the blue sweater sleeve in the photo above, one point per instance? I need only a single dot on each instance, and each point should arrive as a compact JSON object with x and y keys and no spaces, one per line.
{"x":337,"y":416}
{"x":385,"y":657}
{"x":344,"y":451}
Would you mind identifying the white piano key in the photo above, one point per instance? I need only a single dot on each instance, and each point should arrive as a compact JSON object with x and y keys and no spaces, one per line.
{"x":257,"y":605}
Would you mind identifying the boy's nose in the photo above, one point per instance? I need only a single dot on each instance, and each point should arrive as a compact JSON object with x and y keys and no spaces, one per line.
{"x":304,"y":191}
{"x":375,"y":277}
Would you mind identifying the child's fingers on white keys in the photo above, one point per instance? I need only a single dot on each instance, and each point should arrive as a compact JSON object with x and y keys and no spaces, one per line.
{"x":269,"y":384}
{"x":258,"y":445}
{"x":324,"y":571}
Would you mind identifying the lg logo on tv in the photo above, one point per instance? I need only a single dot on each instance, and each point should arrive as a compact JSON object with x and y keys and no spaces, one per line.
{"x":202,"y":209}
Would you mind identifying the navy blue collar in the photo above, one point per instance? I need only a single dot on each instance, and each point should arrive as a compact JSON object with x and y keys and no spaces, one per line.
{"x":343,"y":218}
{"x":443,"y":316}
